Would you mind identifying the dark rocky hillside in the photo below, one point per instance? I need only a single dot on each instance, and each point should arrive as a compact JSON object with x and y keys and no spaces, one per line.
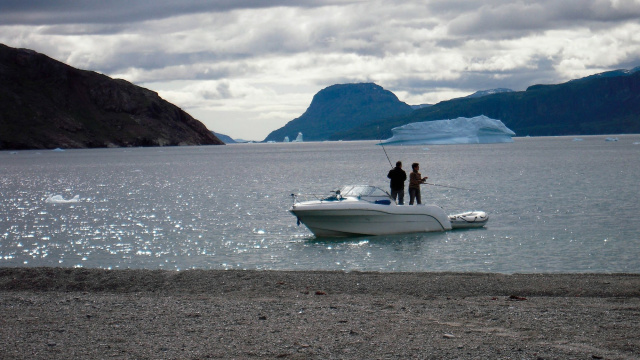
{"x":607,"y":103}
{"x":342,"y":107}
{"x":45,"y":104}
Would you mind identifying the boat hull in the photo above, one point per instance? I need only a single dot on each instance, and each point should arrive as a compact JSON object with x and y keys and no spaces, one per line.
{"x":359,"y":218}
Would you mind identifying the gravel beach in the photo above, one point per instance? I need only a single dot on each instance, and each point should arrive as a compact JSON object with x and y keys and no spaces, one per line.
{"x":60,"y":313}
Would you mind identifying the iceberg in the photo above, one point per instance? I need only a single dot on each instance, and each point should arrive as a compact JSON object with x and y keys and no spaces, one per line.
{"x":58,"y":199}
{"x":475,"y":130}
{"x":298,"y":138}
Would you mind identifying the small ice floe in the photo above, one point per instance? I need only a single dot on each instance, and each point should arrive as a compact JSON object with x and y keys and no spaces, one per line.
{"x":611,"y":139}
{"x":636,"y":143}
{"x":577,"y":139}
{"x":57,"y":149}
{"x":58,"y":199}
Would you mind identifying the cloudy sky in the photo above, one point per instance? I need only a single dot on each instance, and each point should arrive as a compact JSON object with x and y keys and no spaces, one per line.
{"x":247,"y":67}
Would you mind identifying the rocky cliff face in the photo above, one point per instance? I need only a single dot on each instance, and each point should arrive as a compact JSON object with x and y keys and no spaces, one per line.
{"x":45,"y":104}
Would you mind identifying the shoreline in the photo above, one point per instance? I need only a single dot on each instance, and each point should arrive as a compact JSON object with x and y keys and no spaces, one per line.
{"x":94,"y":313}
{"x":274,"y":282}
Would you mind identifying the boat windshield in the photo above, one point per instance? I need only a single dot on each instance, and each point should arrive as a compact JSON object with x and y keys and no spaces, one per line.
{"x":363,"y":191}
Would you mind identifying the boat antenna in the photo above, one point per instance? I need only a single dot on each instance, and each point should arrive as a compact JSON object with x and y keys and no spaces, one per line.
{"x":383,"y":149}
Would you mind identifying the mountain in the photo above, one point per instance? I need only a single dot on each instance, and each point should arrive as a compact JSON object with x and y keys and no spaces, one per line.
{"x":482,"y":93}
{"x":614,"y":73}
{"x":339,"y":108}
{"x":607,"y":103}
{"x":225,"y":138}
{"x":45,"y":104}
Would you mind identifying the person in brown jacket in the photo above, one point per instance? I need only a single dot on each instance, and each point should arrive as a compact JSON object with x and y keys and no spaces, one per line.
{"x":415,"y":179}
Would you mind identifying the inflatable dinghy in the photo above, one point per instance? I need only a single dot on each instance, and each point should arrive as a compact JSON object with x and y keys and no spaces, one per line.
{"x":471,"y":219}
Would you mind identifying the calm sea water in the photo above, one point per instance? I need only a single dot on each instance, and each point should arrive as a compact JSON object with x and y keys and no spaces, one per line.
{"x":556,"y":206}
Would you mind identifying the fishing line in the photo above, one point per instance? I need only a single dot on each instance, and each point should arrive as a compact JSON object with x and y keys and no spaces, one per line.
{"x":447,"y":186}
{"x":385,"y":152}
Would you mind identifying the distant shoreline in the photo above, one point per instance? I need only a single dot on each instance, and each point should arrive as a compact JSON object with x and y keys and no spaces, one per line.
{"x":253,"y":142}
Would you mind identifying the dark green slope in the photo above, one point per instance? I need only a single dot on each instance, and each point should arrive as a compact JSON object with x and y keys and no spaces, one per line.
{"x":340,"y":108}
{"x":606,"y":103}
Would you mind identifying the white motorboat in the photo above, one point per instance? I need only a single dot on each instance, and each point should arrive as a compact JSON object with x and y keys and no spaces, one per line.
{"x":368,"y":210}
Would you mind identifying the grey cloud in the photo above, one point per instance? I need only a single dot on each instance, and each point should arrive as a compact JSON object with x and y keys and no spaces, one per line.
{"x":633,"y":62}
{"x":46,"y":12}
{"x":470,"y":81}
{"x":221,"y":91}
{"x":85,"y":29}
{"x":221,"y":46}
{"x":505,"y":18}
{"x":155,"y":60}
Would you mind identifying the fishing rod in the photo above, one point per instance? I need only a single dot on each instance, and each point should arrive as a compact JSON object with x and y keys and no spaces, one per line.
{"x":383,"y":149}
{"x":426,"y":183}
{"x":385,"y":152}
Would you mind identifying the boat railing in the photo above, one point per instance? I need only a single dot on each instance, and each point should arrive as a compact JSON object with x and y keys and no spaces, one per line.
{"x":335,"y":196}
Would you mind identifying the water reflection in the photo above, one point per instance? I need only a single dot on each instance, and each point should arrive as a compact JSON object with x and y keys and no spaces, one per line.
{"x":226,"y":207}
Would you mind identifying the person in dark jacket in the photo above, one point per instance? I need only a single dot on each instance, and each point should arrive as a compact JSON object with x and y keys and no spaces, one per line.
{"x":398,"y":177}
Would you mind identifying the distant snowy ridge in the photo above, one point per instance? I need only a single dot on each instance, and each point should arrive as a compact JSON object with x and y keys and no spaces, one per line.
{"x":609,"y":74}
{"x":416,"y":107}
{"x":482,"y":93}
{"x":475,"y":130}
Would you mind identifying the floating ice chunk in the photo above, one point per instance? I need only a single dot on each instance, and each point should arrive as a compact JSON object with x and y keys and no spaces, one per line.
{"x":57,"y":149}
{"x":475,"y":130}
{"x":58,"y":199}
{"x":577,"y":139}
{"x":611,"y":139}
